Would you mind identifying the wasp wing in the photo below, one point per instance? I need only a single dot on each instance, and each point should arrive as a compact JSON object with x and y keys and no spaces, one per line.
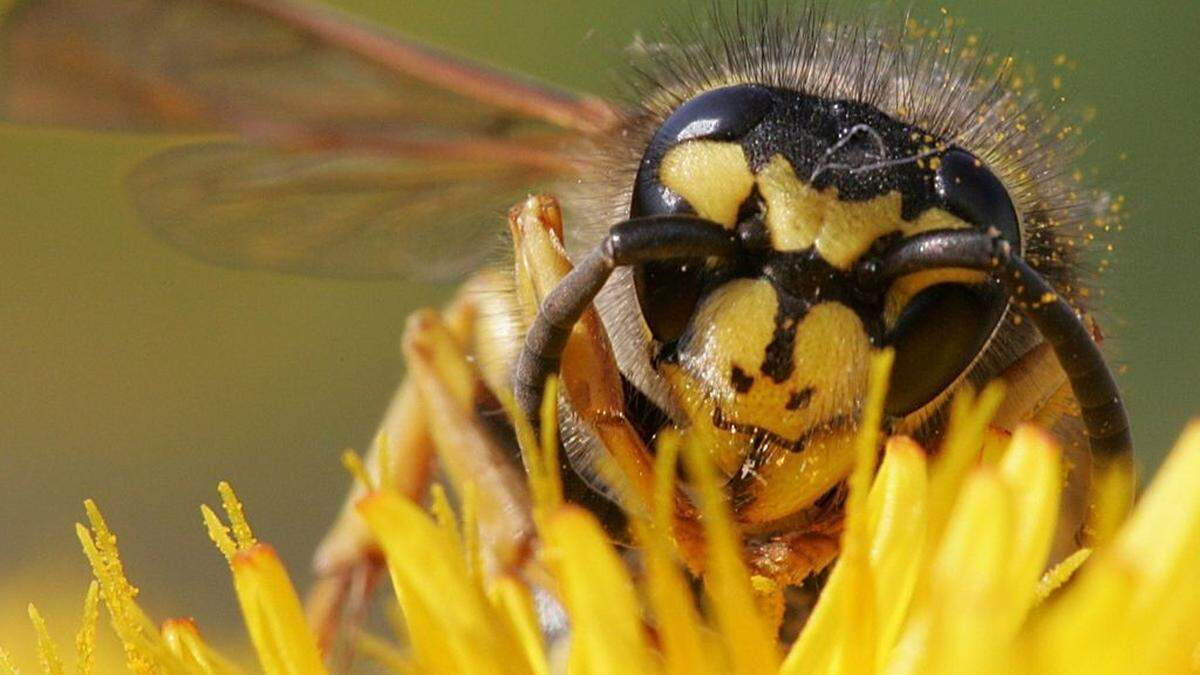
{"x":334,"y":214}
{"x":361,"y":151}
{"x":257,"y":67}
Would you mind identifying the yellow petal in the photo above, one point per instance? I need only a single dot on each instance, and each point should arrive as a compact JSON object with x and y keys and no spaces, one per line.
{"x":383,"y":652}
{"x":273,"y":615}
{"x":443,"y":513}
{"x":145,"y":651}
{"x":452,"y":626}
{"x":6,"y":664}
{"x":354,"y":464}
{"x":513,"y":601}
{"x":1032,"y":471}
{"x":858,"y":603}
{"x":671,"y":600}
{"x":844,"y":633}
{"x":237,"y":517}
{"x":985,"y":573}
{"x":183,"y":639}
{"x":1060,"y":574}
{"x":748,"y":640}
{"x":955,"y":626}
{"x":607,"y":633}
{"x":896,"y":528}
{"x":270,"y":608}
{"x":218,"y":532}
{"x":961,"y":447}
{"x":472,"y":550}
{"x":898,"y":521}
{"x":1136,"y":606}
{"x":539,"y":455}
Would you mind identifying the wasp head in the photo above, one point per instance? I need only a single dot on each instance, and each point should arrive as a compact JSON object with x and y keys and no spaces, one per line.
{"x":769,"y":349}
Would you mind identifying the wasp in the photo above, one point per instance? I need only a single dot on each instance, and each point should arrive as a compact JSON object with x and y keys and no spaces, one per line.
{"x":780,"y":196}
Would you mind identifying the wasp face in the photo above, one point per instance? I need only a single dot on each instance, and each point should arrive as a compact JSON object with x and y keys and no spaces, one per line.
{"x":769,"y":350}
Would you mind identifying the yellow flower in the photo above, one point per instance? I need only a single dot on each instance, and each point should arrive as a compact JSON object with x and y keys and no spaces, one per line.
{"x":942,"y":571}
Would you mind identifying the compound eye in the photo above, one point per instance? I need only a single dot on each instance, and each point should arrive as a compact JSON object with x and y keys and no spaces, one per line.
{"x":972,"y":192}
{"x":944,"y":327}
{"x":668,"y":292}
{"x":936,"y":337}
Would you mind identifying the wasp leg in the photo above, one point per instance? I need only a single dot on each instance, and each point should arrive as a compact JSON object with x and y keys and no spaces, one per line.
{"x":566,"y":335}
{"x":471,"y":455}
{"x":347,"y":563}
{"x":590,"y":379}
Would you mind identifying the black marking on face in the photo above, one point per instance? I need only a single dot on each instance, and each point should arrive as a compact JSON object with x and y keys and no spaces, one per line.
{"x":740,"y":380}
{"x":763,"y":436}
{"x":853,"y":147}
{"x":778,"y":360}
{"x":799,"y":399}
{"x":752,"y":230}
{"x":758,"y":434}
{"x":801,"y":281}
{"x":750,"y":212}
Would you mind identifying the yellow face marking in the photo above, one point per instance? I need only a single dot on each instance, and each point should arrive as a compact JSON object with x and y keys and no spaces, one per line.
{"x":714,"y":177}
{"x":792,"y":481}
{"x":733,"y":327}
{"x":790,"y":216}
{"x":798,"y":216}
{"x":719,"y":375}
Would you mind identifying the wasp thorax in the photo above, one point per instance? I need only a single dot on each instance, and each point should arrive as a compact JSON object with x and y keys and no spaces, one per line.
{"x":769,"y":350}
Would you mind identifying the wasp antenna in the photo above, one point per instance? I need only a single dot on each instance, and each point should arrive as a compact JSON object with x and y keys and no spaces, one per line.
{"x":1104,"y":416}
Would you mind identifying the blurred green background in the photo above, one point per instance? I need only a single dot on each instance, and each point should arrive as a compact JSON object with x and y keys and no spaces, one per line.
{"x":138,"y":377}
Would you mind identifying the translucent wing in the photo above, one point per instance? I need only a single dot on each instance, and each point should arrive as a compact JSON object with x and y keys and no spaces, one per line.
{"x":339,"y":214}
{"x":364,"y":154}
{"x":260,"y":67}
